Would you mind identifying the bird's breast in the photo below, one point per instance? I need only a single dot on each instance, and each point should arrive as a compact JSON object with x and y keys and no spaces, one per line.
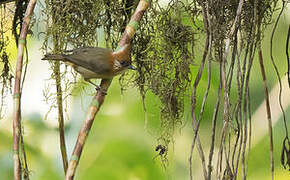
{"x":87,"y":74}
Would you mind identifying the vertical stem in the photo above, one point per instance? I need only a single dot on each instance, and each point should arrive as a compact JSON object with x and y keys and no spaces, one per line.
{"x":280,"y":85}
{"x":60,"y":115}
{"x":226,"y":113}
{"x":268,"y":110}
{"x":57,"y":46}
{"x":17,"y":90}
{"x":288,"y":69}
{"x":214,"y":122}
{"x":195,"y":123}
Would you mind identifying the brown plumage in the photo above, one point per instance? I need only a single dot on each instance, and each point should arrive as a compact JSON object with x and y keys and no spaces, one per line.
{"x":96,"y":62}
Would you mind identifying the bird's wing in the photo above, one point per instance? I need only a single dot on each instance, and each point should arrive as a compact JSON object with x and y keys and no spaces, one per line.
{"x":55,"y":57}
{"x":92,"y":58}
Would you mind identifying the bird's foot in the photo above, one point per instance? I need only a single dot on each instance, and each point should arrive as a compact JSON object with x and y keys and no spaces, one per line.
{"x":98,"y":88}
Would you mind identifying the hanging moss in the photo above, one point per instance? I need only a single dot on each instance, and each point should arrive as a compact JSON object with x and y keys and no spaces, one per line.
{"x":163,"y":53}
{"x":6,"y":74}
{"x":18,"y":18}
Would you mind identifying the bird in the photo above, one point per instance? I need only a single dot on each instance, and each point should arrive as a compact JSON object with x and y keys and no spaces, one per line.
{"x":96,"y":62}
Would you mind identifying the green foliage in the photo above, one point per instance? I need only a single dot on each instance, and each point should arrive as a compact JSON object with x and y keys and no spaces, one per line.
{"x":164,"y":51}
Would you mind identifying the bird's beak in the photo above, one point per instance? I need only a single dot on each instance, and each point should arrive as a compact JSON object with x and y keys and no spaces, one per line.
{"x":132,"y":67}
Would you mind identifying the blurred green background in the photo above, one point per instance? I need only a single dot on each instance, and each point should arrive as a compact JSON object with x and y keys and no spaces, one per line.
{"x":121,"y":144}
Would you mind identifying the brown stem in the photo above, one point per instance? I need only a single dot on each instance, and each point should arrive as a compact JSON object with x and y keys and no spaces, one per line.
{"x":288,"y":71}
{"x":60,"y":115}
{"x":268,"y":109}
{"x":226,"y":113}
{"x":279,"y":80}
{"x":17,"y":90}
{"x":245,"y":108}
{"x":57,"y":45}
{"x":214,"y":123}
{"x":195,"y":123}
{"x":99,"y":98}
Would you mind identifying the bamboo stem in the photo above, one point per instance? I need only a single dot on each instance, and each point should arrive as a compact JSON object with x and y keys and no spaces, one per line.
{"x":94,"y":108}
{"x":17,"y":90}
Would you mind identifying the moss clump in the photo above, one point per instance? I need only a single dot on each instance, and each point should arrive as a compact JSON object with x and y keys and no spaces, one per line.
{"x":163,"y":50}
{"x":6,"y":74}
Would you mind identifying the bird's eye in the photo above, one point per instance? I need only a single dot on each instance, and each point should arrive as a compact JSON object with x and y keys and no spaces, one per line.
{"x":124,"y":63}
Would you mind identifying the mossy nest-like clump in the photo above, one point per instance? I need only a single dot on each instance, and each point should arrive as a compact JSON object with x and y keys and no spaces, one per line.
{"x":163,"y":51}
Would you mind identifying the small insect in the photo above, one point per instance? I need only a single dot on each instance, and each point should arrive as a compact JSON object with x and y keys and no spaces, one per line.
{"x":163,"y":150}
{"x":162,"y":153}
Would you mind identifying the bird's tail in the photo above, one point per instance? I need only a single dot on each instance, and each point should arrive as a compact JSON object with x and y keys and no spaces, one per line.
{"x":55,"y":57}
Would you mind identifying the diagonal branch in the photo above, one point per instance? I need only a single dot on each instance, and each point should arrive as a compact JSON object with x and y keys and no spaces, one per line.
{"x":99,"y":98}
{"x":17,"y":90}
{"x":94,"y":108}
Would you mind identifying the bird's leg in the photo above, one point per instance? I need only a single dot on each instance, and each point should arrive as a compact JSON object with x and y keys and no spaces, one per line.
{"x":98,"y":88}
{"x":89,"y":81}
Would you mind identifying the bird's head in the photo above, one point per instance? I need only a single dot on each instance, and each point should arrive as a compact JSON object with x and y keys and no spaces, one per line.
{"x":122,"y":59}
{"x":120,"y":66}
